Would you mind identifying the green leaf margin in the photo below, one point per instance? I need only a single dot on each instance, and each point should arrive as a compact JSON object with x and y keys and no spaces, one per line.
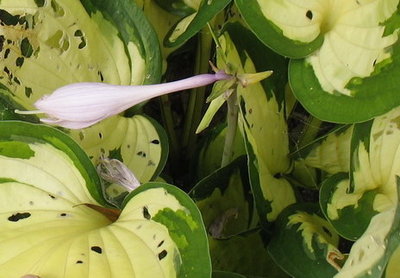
{"x":132,"y":24}
{"x":287,"y":247}
{"x":28,"y":132}
{"x":205,"y":13}
{"x":373,"y":95}
{"x":271,"y":35}
{"x":196,"y":261}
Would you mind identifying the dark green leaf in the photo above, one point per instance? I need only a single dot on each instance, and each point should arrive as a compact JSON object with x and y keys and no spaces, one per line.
{"x":304,"y":244}
{"x":180,"y":33}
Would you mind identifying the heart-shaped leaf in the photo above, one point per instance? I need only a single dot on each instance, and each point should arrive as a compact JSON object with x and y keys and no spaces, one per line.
{"x":343,"y":81}
{"x":55,"y":206}
{"x":350,"y":53}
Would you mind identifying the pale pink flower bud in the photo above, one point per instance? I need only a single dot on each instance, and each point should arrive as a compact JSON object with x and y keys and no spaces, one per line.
{"x":81,"y":105}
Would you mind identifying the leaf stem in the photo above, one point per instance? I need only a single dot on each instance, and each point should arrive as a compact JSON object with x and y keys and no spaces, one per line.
{"x":169,"y":124}
{"x":232,"y":121}
{"x":197,"y":97}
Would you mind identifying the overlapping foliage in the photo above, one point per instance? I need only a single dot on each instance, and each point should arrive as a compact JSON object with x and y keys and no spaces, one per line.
{"x":293,"y":175}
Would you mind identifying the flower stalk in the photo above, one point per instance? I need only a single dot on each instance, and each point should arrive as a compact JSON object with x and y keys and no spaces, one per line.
{"x":232,"y":122}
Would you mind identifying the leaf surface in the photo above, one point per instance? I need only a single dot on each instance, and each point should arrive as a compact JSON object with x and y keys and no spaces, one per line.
{"x":55,"y":206}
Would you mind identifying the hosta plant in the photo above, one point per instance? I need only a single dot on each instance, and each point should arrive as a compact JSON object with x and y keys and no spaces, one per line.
{"x":287,"y":166}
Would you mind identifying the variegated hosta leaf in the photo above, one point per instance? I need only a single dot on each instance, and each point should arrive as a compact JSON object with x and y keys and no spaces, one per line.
{"x":48,"y":44}
{"x":332,"y":153}
{"x":162,"y":21}
{"x":371,"y":253}
{"x":341,"y":208}
{"x":303,"y":241}
{"x":348,"y":45}
{"x":8,"y":106}
{"x":262,"y":118}
{"x":139,"y":142}
{"x":371,"y":188}
{"x":55,"y":223}
{"x":279,"y":20}
{"x":188,"y":26}
{"x":353,"y":35}
{"x":354,"y":41}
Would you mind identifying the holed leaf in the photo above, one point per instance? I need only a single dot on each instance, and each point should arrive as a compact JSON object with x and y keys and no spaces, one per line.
{"x":55,"y":206}
{"x":48,"y":44}
{"x":139,"y":142}
{"x":54,"y":43}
